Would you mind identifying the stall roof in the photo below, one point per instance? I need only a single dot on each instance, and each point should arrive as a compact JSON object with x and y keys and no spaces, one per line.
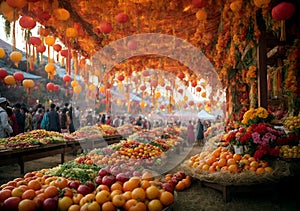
{"x":11,"y":71}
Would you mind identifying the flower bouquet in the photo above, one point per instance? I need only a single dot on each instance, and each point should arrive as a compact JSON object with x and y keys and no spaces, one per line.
{"x":255,"y":116}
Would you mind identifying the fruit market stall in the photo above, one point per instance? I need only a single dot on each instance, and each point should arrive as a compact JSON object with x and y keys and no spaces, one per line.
{"x":254,"y":158}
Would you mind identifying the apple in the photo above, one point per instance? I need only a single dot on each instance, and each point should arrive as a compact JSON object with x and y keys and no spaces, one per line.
{"x":84,"y":189}
{"x":168,"y":186}
{"x":103,"y":172}
{"x":137,"y":174}
{"x":91,"y":185}
{"x":98,"y":180}
{"x":11,"y":203}
{"x":115,"y":170}
{"x":122,"y":177}
{"x":108,"y":180}
{"x":50,"y":204}
{"x":174,"y":180}
{"x":74,"y":184}
{"x":180,"y":175}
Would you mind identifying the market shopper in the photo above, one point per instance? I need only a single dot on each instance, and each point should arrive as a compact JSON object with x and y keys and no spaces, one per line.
{"x":200,"y":133}
{"x":12,"y":120}
{"x":5,"y":128}
{"x":20,"y":117}
{"x":37,"y":119}
{"x":54,"y":123}
{"x":76,"y":118}
{"x":64,"y":121}
{"x":190,"y":134}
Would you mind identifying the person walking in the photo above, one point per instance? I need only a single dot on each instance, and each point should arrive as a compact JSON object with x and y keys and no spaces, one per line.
{"x":20,"y":117}
{"x":5,"y":128}
{"x":190,"y":134}
{"x":12,"y":120}
{"x":54,"y":122}
{"x":200,"y":132}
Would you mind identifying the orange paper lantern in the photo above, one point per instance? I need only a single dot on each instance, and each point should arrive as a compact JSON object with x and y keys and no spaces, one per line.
{"x":16,"y":57}
{"x":61,"y":14}
{"x":17,"y":3}
{"x":2,"y":53}
{"x":9,"y":80}
{"x":201,"y":15}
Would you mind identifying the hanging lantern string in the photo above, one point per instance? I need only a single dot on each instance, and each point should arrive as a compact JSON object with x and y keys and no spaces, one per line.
{"x":282,"y":31}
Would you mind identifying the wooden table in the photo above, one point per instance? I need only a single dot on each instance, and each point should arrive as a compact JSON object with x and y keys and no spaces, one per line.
{"x":21,"y":155}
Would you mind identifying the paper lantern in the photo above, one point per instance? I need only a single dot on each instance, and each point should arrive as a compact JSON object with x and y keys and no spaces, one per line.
{"x":28,"y":84}
{"x":56,"y":87}
{"x":193,"y":83}
{"x":154,"y":83}
{"x":74,"y":83}
{"x":61,"y":14}
{"x":50,"y":68}
{"x":283,"y":11}
{"x":199,"y":3}
{"x":50,"y":86}
{"x":122,"y":17}
{"x":132,"y":45}
{"x":27,"y":22}
{"x":49,"y":40}
{"x":18,"y":76}
{"x":143,"y":104}
{"x":181,"y":75}
{"x":236,"y":6}
{"x":168,"y":87}
{"x":157,"y":95}
{"x":180,"y":91}
{"x":2,"y":53}
{"x":201,"y":15}
{"x":198,"y":89}
{"x":16,"y":57}
{"x":121,"y":78}
{"x":191,"y":103}
{"x":9,"y":80}
{"x":36,"y":41}
{"x":161,"y":107}
{"x":203,"y":94}
{"x":65,"y":53}
{"x":67,"y":78}
{"x":57,"y":47}
{"x":41,"y":48}
{"x":261,"y":3}
{"x":105,"y":27}
{"x":43,"y":32}
{"x":101,"y":89}
{"x":77,"y":89}
{"x":71,"y":32}
{"x":17,"y":3}
{"x":143,"y":87}
{"x":44,"y":16}
{"x":3,"y":73}
{"x":185,"y":98}
{"x":145,"y":73}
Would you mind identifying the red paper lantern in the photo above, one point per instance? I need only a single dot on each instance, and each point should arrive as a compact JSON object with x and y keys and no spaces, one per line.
{"x":145,"y":73}
{"x":44,"y":16}
{"x":191,"y":103}
{"x":122,"y":17}
{"x":3,"y":73}
{"x":36,"y":41}
{"x":180,"y":91}
{"x":57,"y":47}
{"x":17,"y":3}
{"x":121,"y":77}
{"x":161,"y":106}
{"x":199,"y":3}
{"x":41,"y":48}
{"x":43,"y":32}
{"x":168,"y":87}
{"x":50,"y":86}
{"x":33,"y":0}
{"x":154,"y":83}
{"x":67,"y":78}
{"x":27,"y":22}
{"x":56,"y":87}
{"x":194,"y":83}
{"x":283,"y":11}
{"x":65,"y":53}
{"x":198,"y":89}
{"x":105,"y":27}
{"x":181,"y":75}
{"x":132,"y":45}
{"x":18,"y":76}
{"x":143,"y":87}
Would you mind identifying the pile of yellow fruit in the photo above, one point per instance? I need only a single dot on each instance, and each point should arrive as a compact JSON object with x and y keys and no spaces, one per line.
{"x":292,"y":123}
{"x":287,"y":151}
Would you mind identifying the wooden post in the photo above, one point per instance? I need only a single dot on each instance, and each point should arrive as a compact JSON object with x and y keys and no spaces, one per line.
{"x":262,"y":68}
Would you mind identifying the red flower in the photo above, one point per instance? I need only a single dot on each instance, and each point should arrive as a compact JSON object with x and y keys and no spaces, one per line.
{"x":274,"y":152}
{"x":259,"y":153}
{"x":246,"y":137}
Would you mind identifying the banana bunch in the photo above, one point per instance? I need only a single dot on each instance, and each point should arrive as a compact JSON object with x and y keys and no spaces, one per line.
{"x":287,"y":151}
{"x":292,"y":123}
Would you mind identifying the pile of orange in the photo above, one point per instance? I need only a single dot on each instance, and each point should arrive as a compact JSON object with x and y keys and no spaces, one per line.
{"x":223,"y":160}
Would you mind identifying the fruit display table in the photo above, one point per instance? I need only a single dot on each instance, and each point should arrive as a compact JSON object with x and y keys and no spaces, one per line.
{"x":22,"y":155}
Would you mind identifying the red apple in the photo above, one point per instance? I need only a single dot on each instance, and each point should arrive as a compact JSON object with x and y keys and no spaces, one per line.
{"x":74,"y":184}
{"x":103,"y":172}
{"x":122,"y":177}
{"x":50,"y":204}
{"x":11,"y":203}
{"x":91,"y":185}
{"x":168,"y":186}
{"x":180,"y":175}
{"x":108,"y":180}
{"x":84,"y":189}
{"x":98,"y":180}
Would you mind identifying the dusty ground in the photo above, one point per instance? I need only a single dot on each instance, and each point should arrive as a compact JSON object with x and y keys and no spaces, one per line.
{"x":196,"y":197}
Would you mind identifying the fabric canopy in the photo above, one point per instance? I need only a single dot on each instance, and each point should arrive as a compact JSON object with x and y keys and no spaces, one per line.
{"x":205,"y":116}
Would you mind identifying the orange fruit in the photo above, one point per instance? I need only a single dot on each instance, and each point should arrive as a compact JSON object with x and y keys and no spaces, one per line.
{"x":152,"y":192}
{"x":231,"y":161}
{"x":166,"y":198}
{"x":74,"y":207}
{"x":127,"y":195}
{"x":102,"y":196}
{"x":118,"y":200}
{"x":237,"y":157}
{"x":34,"y":184}
{"x":232,"y":168}
{"x":28,"y":194}
{"x":139,"y":194}
{"x":260,"y":170}
{"x":180,"y":186}
{"x":222,"y":162}
{"x":108,"y":206}
{"x":155,"y":205}
{"x":51,"y":191}
{"x":26,"y":204}
{"x":254,"y":163}
{"x":116,"y":186}
{"x":268,"y":169}
{"x":145,"y":184}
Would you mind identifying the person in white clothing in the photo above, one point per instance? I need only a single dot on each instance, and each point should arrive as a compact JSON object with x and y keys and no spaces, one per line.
{"x":5,"y":128}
